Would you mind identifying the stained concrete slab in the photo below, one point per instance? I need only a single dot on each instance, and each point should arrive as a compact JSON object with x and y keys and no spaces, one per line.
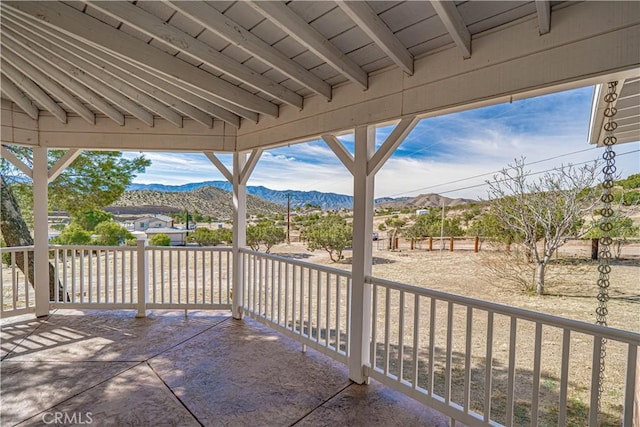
{"x":206,"y":369}
{"x":243,"y":373}
{"x":14,"y":330}
{"x":373,"y":405}
{"x":136,"y":397}
{"x":26,"y":388}
{"x":109,"y":335}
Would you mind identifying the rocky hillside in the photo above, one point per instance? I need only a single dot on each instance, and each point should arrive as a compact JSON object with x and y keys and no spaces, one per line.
{"x":424,"y":201}
{"x":209,"y":201}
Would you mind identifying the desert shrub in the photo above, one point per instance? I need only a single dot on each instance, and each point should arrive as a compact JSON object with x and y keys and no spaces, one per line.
{"x":160,"y":240}
{"x":108,"y":233}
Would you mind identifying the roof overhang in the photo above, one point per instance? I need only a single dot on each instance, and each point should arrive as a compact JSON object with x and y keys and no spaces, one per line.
{"x":627,"y":116}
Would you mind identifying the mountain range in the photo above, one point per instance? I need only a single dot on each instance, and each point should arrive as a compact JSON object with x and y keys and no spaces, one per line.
{"x":327,"y":201}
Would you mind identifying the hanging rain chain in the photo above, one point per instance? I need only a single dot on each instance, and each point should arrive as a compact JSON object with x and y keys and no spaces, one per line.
{"x":606,"y":225}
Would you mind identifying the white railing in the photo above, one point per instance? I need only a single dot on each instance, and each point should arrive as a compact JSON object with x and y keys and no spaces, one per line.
{"x":489,"y":364}
{"x":107,"y":277}
{"x":95,"y":276}
{"x":308,"y":302}
{"x":189,"y":277}
{"x":17,"y":296}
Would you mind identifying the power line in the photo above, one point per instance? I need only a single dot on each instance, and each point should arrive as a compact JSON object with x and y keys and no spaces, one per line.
{"x":490,"y":173}
{"x":529,"y":174}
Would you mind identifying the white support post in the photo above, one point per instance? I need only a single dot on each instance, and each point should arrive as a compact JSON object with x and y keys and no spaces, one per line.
{"x":41,"y":230}
{"x":143,"y":275}
{"x":239,"y":231}
{"x":363,"y":184}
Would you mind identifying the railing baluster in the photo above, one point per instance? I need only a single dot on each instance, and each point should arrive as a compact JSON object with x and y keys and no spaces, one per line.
{"x":338,"y":307}
{"x":309,"y":308}
{"x":348,"y":314}
{"x":294,"y":308}
{"x":73,"y":276}
{"x":170,"y":254}
{"x":630,"y":383}
{"x":564,"y":377}
{"x":401,"y":337}
{"x":106,"y":276}
{"x":302,"y":318}
{"x":14,"y":281}
{"x":537,"y":353}
{"x":99,"y":274}
{"x":467,"y":360}
{"x":595,"y":375}
{"x":186,"y":275}
{"x":82,"y":286}
{"x":272,"y":315}
{"x":56,"y":257}
{"x":132,"y":273}
{"x":373,"y":353}
{"x":416,"y":341}
{"x":318,"y":307}
{"x":154,"y":270}
{"x":387,"y":326}
{"x":90,"y":277}
{"x":64,"y":273}
{"x":179,"y":259}
{"x":279,"y":291}
{"x":115,"y":276}
{"x":448,"y":363}
{"x":432,"y":338}
{"x":327,"y":317}
{"x":511,"y":376}
{"x":488,"y":368}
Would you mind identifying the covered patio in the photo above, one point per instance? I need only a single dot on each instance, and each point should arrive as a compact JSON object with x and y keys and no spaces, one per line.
{"x":168,"y":369}
{"x":241,"y":78}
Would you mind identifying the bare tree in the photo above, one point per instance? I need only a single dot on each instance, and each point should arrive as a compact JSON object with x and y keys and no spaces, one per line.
{"x":549,"y":208}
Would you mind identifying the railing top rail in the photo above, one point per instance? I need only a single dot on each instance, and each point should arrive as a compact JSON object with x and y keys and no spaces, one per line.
{"x":324,"y":268}
{"x":16,"y":248}
{"x":551,"y":320}
{"x":190,"y":248}
{"x":92,"y":247}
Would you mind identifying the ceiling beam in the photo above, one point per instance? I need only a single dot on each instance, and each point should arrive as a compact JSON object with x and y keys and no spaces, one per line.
{"x":169,"y":35}
{"x":45,"y":51}
{"x":33,"y":90}
{"x":340,"y":151}
{"x":543,"y":7}
{"x":289,"y":22}
{"x":118,"y":84}
{"x":17,"y":96}
{"x":8,"y":155}
{"x":187,"y":103}
{"x":62,"y":164}
{"x":82,"y":26}
{"x":65,"y":81}
{"x":51,"y":86}
{"x":219,"y":165}
{"x":369,"y":22}
{"x":234,"y":33}
{"x":453,"y":22}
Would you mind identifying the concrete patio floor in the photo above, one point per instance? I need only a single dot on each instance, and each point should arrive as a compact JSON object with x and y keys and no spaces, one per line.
{"x":207,"y":369}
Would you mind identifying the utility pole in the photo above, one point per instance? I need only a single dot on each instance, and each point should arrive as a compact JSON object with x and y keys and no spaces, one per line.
{"x":442,"y":230}
{"x":288,"y":218}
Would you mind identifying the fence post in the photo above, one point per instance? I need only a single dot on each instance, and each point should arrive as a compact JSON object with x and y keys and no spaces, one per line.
{"x":143,"y":274}
{"x":476,"y":244}
{"x":430,"y":243}
{"x":451,"y":244}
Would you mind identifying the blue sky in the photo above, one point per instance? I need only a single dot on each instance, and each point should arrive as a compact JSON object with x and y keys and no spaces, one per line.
{"x":439,"y":150}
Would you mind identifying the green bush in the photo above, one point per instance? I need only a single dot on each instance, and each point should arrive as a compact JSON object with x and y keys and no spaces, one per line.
{"x":204,"y":237}
{"x":160,"y":240}
{"x":108,"y":233}
{"x":72,"y":235}
{"x":331,"y":233}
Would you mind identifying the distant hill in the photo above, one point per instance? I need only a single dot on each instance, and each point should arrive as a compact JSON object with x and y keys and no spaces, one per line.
{"x":430,"y":200}
{"x":210,"y":201}
{"x":327,"y":201}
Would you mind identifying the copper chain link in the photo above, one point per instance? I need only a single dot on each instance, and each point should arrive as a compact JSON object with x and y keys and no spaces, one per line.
{"x":606,"y":225}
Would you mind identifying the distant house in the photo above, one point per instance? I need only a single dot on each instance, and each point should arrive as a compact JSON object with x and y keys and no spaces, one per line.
{"x":422,"y":212}
{"x":155,"y":221}
{"x":178,"y":237}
